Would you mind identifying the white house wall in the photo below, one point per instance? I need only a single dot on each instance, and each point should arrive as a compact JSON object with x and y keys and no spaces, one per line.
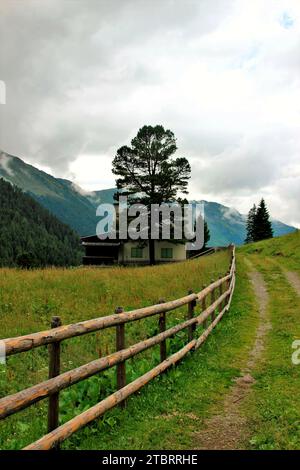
{"x":179,"y":252}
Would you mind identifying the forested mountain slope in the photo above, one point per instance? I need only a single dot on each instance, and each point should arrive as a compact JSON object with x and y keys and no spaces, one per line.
{"x":59,"y":196}
{"x":30,"y":235}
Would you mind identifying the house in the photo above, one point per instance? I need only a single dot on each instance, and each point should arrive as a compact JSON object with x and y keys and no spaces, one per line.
{"x":99,"y":252}
{"x":128,"y":251}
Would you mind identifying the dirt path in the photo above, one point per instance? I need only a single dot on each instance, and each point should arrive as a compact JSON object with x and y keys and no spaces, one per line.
{"x":230,"y":430}
{"x":294,"y":280}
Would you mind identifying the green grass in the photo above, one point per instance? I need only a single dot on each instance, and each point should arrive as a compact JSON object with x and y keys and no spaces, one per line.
{"x":274,"y":405}
{"x":28,"y":300}
{"x":167,"y":412}
{"x":284,"y":250}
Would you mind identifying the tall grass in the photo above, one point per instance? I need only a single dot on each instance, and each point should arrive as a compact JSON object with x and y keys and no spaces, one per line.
{"x":28,"y":300}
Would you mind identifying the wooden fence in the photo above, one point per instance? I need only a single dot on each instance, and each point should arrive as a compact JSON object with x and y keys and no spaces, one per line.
{"x":209,"y":251}
{"x":213,"y":301}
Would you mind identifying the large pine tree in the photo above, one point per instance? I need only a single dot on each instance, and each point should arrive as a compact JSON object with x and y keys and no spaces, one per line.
{"x":148,"y":170}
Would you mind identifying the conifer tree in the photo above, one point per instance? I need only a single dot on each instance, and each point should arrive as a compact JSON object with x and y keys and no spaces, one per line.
{"x":206,"y":234}
{"x":250,"y":226}
{"x":262,"y":226}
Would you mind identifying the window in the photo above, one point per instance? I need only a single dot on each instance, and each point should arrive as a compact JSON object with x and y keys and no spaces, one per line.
{"x":167,"y":253}
{"x":136,"y":252}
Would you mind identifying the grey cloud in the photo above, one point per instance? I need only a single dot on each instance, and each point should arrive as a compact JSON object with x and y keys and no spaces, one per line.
{"x":83,"y":76}
{"x":4,"y":163}
{"x":67,"y":46}
{"x":255,"y":162}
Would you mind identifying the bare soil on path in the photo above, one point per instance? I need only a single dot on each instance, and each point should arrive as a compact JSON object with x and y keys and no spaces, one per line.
{"x":230,"y":430}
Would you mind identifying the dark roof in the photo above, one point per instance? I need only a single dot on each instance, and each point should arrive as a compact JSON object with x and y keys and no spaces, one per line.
{"x":94,"y":239}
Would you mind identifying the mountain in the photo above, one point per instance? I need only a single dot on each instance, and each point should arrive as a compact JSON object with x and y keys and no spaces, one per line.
{"x":30,"y":236}
{"x":227,"y":225}
{"x":61,"y":197}
{"x":102,"y":197}
{"x":77,"y":208}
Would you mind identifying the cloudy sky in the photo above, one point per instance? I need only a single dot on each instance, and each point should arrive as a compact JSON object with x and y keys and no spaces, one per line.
{"x":82,"y":76}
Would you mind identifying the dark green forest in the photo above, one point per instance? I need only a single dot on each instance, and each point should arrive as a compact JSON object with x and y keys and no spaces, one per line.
{"x":32,"y":237}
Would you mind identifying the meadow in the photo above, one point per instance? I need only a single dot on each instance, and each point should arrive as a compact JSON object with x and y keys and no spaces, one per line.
{"x":169,"y":412}
{"x":29,"y":298}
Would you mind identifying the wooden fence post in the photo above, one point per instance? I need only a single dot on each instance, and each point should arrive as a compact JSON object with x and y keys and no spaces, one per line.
{"x":227,"y":287}
{"x":120,"y":344}
{"x":231,"y":255}
{"x":213,"y":298}
{"x":162,"y":328}
{"x":222,"y":304}
{"x":190,"y":314}
{"x":203,"y":307}
{"x":54,"y":370}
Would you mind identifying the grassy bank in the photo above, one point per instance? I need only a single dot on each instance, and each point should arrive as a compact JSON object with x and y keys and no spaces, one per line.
{"x":274,"y":405}
{"x":283,"y":250}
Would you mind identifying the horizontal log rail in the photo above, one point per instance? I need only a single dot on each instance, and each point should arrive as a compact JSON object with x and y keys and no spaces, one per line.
{"x":27,"y":342}
{"x":50,"y":388}
{"x":203,"y":253}
{"x":42,"y":338}
{"x":61,"y":433}
{"x":18,"y":401}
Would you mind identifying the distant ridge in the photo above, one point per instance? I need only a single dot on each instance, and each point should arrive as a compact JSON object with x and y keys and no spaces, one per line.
{"x":227,"y":225}
{"x":77,"y":208}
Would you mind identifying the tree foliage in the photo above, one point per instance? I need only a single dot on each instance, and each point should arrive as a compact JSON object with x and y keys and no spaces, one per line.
{"x":263,"y":227}
{"x":259,"y":226}
{"x":30,"y":236}
{"x":206,"y":235}
{"x":148,"y":170}
{"x":250,"y":226}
